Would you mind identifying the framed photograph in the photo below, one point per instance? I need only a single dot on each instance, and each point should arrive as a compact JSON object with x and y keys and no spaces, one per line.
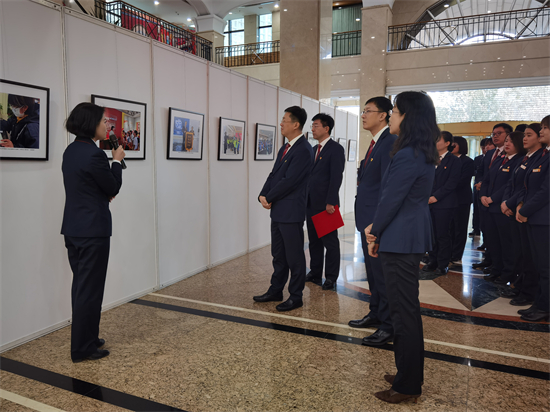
{"x":27,"y":138}
{"x":126,"y":120}
{"x":231,"y":139}
{"x":265,"y":142}
{"x":352,"y":150}
{"x":343,"y":143}
{"x":185,"y":135}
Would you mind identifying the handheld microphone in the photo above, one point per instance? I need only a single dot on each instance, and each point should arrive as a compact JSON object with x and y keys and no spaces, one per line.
{"x":114,"y":145}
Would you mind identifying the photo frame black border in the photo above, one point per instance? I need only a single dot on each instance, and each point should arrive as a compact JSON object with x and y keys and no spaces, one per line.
{"x":256,"y":142}
{"x":220,"y":139}
{"x":170,"y":109}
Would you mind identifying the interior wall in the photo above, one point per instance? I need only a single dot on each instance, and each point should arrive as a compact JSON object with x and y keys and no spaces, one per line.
{"x":172,"y":218}
{"x":351,"y":167}
{"x":340,"y":131}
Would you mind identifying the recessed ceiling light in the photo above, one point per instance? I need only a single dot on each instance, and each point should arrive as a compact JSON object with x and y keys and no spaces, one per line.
{"x":230,"y":12}
{"x":372,"y":37}
{"x":488,"y":11}
{"x":285,"y":10}
{"x":446,"y":5}
{"x":357,"y":19}
{"x":276,"y":6}
{"x":188,"y":19}
{"x":156,"y":3}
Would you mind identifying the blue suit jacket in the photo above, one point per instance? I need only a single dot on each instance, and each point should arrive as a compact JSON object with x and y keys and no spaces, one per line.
{"x":89,"y":184}
{"x":326,"y":177}
{"x":515,"y":186}
{"x":286,"y":185}
{"x":370,"y":178}
{"x":464,"y":187}
{"x":535,"y":197}
{"x":402,"y":222}
{"x":447,"y":176}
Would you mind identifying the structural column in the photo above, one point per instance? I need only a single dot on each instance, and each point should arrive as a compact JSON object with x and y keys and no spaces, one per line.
{"x":376,"y":18}
{"x":306,"y":34}
{"x":211,"y":27}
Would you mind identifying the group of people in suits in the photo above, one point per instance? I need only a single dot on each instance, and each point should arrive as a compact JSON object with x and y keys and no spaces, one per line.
{"x":391,"y":211}
{"x":514,"y":216}
{"x":303,"y":183}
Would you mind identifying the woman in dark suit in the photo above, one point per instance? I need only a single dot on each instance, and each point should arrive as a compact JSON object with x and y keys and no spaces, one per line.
{"x":459,"y":224}
{"x":90,"y":184}
{"x":401,"y":233}
{"x":525,"y":287}
{"x":499,"y":228}
{"x":534,"y":211}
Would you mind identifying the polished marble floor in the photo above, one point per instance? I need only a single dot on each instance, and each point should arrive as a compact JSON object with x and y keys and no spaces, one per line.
{"x":203,"y":344}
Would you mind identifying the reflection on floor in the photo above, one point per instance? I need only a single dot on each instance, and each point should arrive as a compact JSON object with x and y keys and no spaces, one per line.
{"x":202,"y":344}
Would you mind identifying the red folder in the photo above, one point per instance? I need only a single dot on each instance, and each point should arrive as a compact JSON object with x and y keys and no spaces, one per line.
{"x":325,"y":223}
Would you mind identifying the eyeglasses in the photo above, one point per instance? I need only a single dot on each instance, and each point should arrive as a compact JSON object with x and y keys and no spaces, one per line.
{"x":372,"y":111}
{"x":314,"y":125}
{"x":498,"y":134}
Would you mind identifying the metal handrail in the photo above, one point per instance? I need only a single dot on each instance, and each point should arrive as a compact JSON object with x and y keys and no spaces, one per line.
{"x":248,"y":54}
{"x":346,"y":43}
{"x":139,"y":21}
{"x":516,"y":24}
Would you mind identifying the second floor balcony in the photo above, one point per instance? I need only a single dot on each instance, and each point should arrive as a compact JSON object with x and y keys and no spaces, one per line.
{"x":248,"y":54}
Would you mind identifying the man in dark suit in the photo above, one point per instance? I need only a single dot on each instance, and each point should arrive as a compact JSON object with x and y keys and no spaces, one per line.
{"x":323,"y":187}
{"x":478,"y":164}
{"x":375,"y":119}
{"x":443,"y":204}
{"x":90,"y":184}
{"x":500,"y":131}
{"x":284,"y":193}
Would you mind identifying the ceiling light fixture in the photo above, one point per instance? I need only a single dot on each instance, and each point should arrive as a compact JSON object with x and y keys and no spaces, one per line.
{"x":188,"y":19}
{"x":357,"y":19}
{"x":446,"y":5}
{"x":276,"y":6}
{"x":156,"y":3}
{"x":230,"y":12}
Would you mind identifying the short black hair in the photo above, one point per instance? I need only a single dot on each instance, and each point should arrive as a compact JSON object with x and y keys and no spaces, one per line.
{"x":297,"y":114}
{"x":84,"y":119}
{"x":483,"y":142}
{"x":489,"y":141}
{"x":448,"y":137}
{"x":505,"y":126}
{"x":383,"y":104}
{"x":326,"y":120}
{"x":521,"y":127}
{"x":462,"y":144}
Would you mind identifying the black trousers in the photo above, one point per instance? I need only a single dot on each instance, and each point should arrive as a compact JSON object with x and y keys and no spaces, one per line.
{"x":401,"y":274}
{"x":483,"y":218}
{"x":287,"y":249}
{"x":379,"y":305}
{"x":540,"y":244}
{"x":528,"y":282}
{"x":440,"y":256}
{"x":88,"y":257}
{"x":499,"y":234}
{"x":476,"y":226}
{"x":317,"y":248}
{"x":459,"y":230}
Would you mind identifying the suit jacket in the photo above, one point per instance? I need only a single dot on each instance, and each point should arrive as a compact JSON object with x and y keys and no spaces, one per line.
{"x":447,"y":176}
{"x":478,"y":167}
{"x":536,"y":194}
{"x":370,"y":178}
{"x":89,"y":184}
{"x":464,"y":187}
{"x":514,"y":187}
{"x":402,"y":222}
{"x":326,"y":177}
{"x":286,"y":185}
{"x":498,"y":178}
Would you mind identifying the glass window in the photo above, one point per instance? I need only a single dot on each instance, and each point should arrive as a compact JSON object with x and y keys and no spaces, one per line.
{"x":234,"y":32}
{"x":265,"y":20}
{"x":265,"y":28}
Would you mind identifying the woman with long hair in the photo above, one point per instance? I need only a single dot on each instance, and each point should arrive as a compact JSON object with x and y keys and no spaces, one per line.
{"x":401,"y":233}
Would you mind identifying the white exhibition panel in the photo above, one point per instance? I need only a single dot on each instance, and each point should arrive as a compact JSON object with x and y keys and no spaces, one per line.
{"x":262,"y":108}
{"x":35,"y":275}
{"x":340,"y":131}
{"x":228,"y":179}
{"x":98,"y":62}
{"x":351,"y":167}
{"x":180,"y":81}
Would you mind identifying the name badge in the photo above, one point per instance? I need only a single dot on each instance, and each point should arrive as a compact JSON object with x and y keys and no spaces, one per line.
{"x":506,"y":170}
{"x":536,"y":170}
{"x":371,"y":159}
{"x":523,"y":167}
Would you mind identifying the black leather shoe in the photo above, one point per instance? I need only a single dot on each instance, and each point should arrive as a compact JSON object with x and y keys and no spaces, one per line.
{"x":266,"y":297}
{"x":425,"y":259}
{"x":481,"y":265}
{"x":289,"y":305}
{"x":509,"y":293}
{"x":378,"y":338}
{"x":98,"y":354}
{"x":366,"y":322}
{"x":487,"y":270}
{"x":428,"y":268}
{"x":329,"y":285}
{"x":526,"y":311}
{"x":441,"y":271}
{"x":100,"y":343}
{"x":491,"y":278}
{"x":519,"y":301}
{"x":314,"y":279}
{"x":482,"y":247}
{"x":536,"y":315}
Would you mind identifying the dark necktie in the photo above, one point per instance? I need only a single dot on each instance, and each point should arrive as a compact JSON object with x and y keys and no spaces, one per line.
{"x":495,"y":155}
{"x":505,"y":161}
{"x":286,"y":150}
{"x":525,"y":159}
{"x":372,"y":142}
{"x":318,"y":152}
{"x":544,"y":152}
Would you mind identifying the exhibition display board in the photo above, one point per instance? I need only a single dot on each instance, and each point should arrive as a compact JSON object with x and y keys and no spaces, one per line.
{"x":173,"y":218}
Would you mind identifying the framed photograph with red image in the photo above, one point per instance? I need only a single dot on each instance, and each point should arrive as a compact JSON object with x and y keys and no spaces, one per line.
{"x":126,"y":121}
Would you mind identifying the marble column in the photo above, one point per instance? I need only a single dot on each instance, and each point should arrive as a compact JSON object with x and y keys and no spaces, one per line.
{"x":376,"y":17}
{"x":306,"y":34}
{"x":251,"y":29}
{"x":276,"y":28}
